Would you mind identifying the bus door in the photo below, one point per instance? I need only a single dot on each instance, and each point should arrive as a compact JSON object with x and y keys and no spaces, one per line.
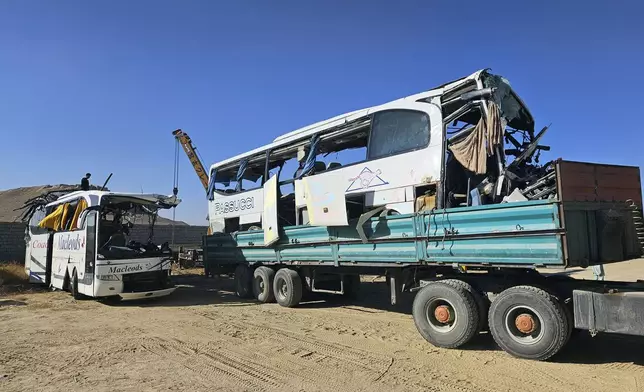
{"x":325,"y":200}
{"x":269,"y":215}
{"x":87,"y":269}
{"x":38,"y":246}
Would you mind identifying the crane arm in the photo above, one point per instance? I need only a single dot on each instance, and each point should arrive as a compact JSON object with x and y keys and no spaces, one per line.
{"x":191,"y":152}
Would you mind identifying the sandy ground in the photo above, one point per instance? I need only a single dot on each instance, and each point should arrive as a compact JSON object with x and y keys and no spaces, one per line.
{"x":203,"y":338}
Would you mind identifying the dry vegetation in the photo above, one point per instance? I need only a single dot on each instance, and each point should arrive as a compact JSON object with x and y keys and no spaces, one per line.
{"x":12,"y":273}
{"x":13,"y":278}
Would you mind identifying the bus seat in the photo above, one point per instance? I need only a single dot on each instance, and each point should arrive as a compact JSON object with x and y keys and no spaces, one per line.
{"x":333,"y":165}
{"x":318,"y":167}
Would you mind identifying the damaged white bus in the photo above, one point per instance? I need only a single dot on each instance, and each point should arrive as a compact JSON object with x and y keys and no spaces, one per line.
{"x":390,"y":157}
{"x":79,"y":243}
{"x":442,"y":193}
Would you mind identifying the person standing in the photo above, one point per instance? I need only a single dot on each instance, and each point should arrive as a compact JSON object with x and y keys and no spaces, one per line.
{"x":85,"y":182}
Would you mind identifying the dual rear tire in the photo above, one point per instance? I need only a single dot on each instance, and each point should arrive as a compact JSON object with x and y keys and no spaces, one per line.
{"x":525,"y":321}
{"x":287,"y":287}
{"x":266,"y":285}
{"x":445,"y":314}
{"x":528,"y":322}
{"x":263,"y":278}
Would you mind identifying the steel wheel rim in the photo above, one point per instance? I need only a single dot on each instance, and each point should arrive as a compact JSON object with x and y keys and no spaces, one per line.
{"x":434,"y":323}
{"x":282,"y":288}
{"x":511,"y":320}
{"x":259,"y":284}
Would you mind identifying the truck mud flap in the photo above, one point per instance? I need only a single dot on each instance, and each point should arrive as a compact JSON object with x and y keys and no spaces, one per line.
{"x":613,"y":312}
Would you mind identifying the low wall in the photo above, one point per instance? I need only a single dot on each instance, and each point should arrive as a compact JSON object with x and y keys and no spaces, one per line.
{"x":183,"y":235}
{"x":12,"y":238}
{"x":12,"y":241}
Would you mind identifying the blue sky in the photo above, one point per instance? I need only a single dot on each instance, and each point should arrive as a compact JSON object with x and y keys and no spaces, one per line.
{"x":99,"y":86}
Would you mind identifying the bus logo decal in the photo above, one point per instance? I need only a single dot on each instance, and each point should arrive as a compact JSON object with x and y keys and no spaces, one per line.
{"x":246,"y":203}
{"x":71,"y":243}
{"x":366,"y":179}
{"x":125,"y":269}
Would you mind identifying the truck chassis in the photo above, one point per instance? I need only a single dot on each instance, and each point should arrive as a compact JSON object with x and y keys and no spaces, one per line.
{"x":472,"y":268}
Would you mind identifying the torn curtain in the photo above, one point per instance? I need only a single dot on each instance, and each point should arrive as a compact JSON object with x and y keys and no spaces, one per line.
{"x":472,"y":150}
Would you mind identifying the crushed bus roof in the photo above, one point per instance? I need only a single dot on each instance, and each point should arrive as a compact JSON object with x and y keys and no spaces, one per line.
{"x":94,"y":198}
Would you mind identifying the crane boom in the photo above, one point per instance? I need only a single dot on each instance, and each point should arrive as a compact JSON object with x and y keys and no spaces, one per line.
{"x":191,"y":152}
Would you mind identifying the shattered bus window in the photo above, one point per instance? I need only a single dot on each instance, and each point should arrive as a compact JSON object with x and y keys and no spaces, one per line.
{"x":344,"y":148}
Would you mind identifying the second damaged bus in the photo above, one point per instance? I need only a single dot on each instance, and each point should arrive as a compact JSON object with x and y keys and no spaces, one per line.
{"x":79,"y":243}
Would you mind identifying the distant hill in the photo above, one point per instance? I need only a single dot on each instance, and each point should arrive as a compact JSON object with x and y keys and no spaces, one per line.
{"x":12,"y":199}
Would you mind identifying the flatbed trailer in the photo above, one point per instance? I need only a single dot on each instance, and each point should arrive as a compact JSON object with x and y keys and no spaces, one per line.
{"x":472,"y":268}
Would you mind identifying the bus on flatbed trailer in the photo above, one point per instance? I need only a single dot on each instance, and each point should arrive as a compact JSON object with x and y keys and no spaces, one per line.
{"x":446,"y":215}
{"x":78,"y":243}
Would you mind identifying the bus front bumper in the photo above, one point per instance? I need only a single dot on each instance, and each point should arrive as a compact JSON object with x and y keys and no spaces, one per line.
{"x":147,"y":294}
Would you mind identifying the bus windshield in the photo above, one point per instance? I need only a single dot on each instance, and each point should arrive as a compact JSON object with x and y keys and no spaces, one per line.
{"x":126,"y":228}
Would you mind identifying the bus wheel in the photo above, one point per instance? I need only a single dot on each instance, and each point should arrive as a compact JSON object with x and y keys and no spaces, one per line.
{"x":528,"y":322}
{"x":263,"y":284}
{"x":66,"y":282}
{"x":287,"y":287}
{"x":243,"y":281}
{"x":445,"y":315}
{"x":482,"y":303}
{"x":73,"y":286}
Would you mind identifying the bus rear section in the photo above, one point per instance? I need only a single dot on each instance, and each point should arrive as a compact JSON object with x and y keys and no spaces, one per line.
{"x":89,"y":250}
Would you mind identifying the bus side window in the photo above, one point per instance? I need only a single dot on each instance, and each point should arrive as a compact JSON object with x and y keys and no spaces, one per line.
{"x":69,"y":218}
{"x":225,"y":181}
{"x":285,"y":165}
{"x":345,"y":149}
{"x":37,"y":216}
{"x":252,"y":178}
{"x":246,"y":175}
{"x":397,"y":131}
{"x":89,"y":220}
{"x":81,"y":220}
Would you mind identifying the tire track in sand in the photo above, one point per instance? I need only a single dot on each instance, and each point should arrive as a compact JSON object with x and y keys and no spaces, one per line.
{"x":292,"y":341}
{"x":217,"y":366}
{"x":353,"y":366}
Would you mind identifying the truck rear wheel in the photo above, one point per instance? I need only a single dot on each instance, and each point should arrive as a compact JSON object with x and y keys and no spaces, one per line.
{"x":287,"y":287}
{"x":482,"y":303}
{"x":445,"y":315}
{"x":528,"y":322}
{"x":263,"y":278}
{"x":243,"y":281}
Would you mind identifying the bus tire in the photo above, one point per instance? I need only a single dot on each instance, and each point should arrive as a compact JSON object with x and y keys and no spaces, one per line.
{"x":528,"y":322}
{"x":263,"y":278}
{"x":445,"y":315}
{"x":243,"y":281}
{"x":66,"y":284}
{"x":482,"y":303}
{"x":287,"y":287}
{"x":73,"y":286}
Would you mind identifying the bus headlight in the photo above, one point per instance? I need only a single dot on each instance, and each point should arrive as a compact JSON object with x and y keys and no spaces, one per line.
{"x":107,"y":277}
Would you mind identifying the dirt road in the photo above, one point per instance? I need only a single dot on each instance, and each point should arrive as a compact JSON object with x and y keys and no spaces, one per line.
{"x":205,"y":339}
